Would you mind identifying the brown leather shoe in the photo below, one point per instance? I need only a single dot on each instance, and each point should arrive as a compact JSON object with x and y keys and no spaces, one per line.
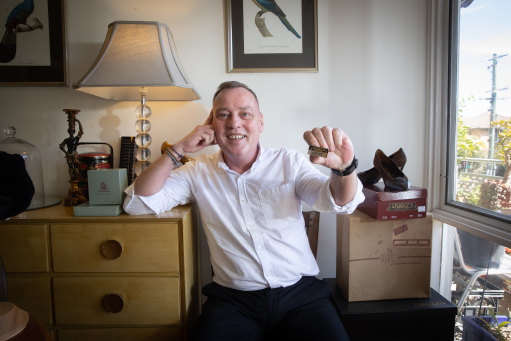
{"x":393,"y":177}
{"x":372,"y":176}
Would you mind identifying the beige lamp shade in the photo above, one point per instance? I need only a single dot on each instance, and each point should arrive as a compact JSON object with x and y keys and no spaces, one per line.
{"x":135,"y":55}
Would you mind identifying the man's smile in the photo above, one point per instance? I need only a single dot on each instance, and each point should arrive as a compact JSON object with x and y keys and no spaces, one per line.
{"x":236,"y":137}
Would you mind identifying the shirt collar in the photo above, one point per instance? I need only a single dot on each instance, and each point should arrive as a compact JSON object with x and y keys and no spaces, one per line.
{"x":221,"y":163}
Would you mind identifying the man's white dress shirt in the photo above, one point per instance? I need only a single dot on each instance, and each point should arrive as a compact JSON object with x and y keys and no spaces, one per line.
{"x":253,"y":221}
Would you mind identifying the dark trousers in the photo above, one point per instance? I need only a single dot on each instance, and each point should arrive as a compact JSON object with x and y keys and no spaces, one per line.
{"x":302,"y":311}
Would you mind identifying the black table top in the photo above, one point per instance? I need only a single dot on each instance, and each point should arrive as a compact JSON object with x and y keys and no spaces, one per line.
{"x":411,"y":307}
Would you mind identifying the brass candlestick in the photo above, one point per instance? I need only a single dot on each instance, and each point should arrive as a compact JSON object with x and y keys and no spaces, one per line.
{"x":76,"y":194}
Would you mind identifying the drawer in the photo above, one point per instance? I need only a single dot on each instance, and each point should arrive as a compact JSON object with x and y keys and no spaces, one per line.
{"x":32,"y":294}
{"x":115,"y":247}
{"x":125,"y":334}
{"x":116,"y":300}
{"x":24,"y":248}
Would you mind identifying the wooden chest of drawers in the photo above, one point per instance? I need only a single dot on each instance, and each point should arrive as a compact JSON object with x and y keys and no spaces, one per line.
{"x":104,"y":278}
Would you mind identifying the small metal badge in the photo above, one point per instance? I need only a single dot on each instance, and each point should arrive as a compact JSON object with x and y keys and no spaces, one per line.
{"x":318,"y":151}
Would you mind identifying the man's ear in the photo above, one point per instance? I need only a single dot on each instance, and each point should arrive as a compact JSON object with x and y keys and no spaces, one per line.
{"x":209,"y":120}
{"x":261,"y":128}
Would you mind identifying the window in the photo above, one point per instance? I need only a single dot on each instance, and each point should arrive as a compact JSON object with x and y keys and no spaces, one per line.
{"x":463,"y":37}
{"x":470,"y":82}
{"x":479,"y":163}
{"x":471,"y":255}
{"x":478,"y":155}
{"x":481,"y":280}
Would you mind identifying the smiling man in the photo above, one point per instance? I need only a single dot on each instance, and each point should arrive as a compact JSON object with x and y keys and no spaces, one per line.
{"x":237,"y":123}
{"x":250,"y":202}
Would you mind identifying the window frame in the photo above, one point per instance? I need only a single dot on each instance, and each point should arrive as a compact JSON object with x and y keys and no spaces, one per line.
{"x":442,"y":68}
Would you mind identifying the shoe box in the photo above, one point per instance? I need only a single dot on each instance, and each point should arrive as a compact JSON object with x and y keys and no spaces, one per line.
{"x":383,"y":204}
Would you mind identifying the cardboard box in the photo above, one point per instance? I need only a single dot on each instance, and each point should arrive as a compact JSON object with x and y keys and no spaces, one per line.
{"x":387,"y":205}
{"x":106,"y":186}
{"x":378,"y":260}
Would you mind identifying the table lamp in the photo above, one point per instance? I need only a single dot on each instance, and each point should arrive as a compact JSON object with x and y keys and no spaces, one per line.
{"x":138,"y":62}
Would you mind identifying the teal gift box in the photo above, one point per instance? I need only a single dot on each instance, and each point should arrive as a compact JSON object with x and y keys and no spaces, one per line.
{"x":106,"y":186}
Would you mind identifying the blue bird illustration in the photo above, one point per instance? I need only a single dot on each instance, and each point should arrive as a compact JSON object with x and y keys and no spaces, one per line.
{"x":16,"y":22}
{"x":271,"y":6}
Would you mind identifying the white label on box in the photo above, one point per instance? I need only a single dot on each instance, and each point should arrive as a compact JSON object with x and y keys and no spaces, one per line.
{"x":421,"y":209}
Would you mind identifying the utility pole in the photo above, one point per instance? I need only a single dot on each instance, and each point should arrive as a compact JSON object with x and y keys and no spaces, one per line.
{"x":493,"y":103}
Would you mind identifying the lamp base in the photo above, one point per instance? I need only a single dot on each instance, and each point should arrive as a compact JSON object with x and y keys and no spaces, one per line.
{"x":140,"y":166}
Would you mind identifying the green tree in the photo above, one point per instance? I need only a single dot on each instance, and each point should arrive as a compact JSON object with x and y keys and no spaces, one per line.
{"x":503,"y":147}
{"x":466,"y":146}
{"x":467,"y":190}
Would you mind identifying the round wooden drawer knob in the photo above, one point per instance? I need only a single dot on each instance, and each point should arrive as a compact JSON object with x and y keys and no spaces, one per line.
{"x":112,"y":303}
{"x":110,"y":249}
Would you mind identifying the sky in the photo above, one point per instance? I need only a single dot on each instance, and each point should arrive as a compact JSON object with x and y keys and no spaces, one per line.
{"x":485,"y":29}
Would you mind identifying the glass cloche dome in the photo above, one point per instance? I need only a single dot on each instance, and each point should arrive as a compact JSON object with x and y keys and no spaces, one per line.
{"x":33,"y":163}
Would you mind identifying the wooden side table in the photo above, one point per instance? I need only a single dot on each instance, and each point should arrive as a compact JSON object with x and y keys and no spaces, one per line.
{"x":104,"y":278}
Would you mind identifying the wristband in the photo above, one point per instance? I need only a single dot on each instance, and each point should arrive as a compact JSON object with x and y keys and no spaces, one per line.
{"x":348,"y":170}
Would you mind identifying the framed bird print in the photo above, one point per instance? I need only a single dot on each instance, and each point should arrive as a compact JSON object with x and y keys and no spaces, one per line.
{"x":272,"y":35}
{"x":32,"y":49}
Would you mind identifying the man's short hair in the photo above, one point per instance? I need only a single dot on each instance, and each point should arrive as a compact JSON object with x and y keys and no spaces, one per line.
{"x":233,"y":85}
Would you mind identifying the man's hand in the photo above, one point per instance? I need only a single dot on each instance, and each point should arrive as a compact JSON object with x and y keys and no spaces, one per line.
{"x":340,"y":155}
{"x":199,"y":138}
{"x":340,"y":148}
{"x":152,"y":179}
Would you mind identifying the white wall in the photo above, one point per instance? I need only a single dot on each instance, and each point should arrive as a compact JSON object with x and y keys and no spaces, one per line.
{"x":371,"y":83}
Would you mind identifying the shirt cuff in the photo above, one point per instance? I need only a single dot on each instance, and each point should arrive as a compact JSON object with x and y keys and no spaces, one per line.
{"x":135,"y":204}
{"x":326,"y":202}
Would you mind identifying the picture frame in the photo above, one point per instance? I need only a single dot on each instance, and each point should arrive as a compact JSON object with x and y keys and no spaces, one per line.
{"x":285,"y":50}
{"x":39,"y":56}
